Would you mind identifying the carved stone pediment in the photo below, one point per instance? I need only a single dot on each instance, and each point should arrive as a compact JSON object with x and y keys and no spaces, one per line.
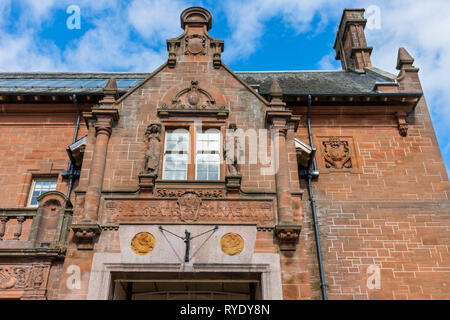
{"x":193,"y":97}
{"x":194,"y":100}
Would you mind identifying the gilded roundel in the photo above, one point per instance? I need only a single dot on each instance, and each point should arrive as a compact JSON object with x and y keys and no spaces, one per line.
{"x":143,"y":243}
{"x":232,"y":244}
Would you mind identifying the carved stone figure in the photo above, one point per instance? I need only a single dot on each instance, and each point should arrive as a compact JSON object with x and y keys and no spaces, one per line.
{"x":232,"y":153}
{"x":153,"y":153}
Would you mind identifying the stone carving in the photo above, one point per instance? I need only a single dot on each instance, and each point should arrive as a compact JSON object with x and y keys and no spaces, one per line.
{"x":337,"y":153}
{"x":190,"y":208}
{"x":153,"y":153}
{"x":288,"y":239}
{"x":143,"y":243}
{"x":195,"y":44}
{"x":232,"y":244}
{"x":232,"y":153}
{"x":402,"y":124}
{"x":201,"y":193}
{"x":22,"y":277}
{"x":189,"y":205}
{"x":193,"y":97}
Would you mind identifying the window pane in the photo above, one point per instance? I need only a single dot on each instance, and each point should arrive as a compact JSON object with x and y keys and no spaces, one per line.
{"x":202,"y":175}
{"x":177,"y":140}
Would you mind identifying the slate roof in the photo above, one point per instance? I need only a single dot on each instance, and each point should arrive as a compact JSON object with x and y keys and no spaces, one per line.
{"x":291,"y":82}
{"x":317,"y":82}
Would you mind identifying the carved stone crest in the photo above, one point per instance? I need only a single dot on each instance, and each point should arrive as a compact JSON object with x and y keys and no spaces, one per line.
{"x":337,"y":153}
{"x":189,"y":205}
{"x":195,"y":44}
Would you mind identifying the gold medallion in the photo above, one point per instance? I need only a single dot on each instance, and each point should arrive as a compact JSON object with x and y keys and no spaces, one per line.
{"x":143,"y":243}
{"x":232,"y":244}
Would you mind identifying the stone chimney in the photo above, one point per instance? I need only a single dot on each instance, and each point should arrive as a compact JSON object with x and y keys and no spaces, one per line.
{"x":350,"y":45}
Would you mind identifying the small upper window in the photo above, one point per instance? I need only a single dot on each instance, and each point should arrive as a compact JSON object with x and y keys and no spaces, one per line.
{"x":40,"y":186}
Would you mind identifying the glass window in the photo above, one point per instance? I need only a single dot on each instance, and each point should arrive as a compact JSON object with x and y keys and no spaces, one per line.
{"x":176,"y":153}
{"x":207,"y":157}
{"x":39,"y":187}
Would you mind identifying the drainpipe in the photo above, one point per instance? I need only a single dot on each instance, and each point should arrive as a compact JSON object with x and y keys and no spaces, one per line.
{"x":71,"y":173}
{"x":310,"y":174}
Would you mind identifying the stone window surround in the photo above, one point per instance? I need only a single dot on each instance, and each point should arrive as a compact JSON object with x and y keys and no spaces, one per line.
{"x":104,"y":264}
{"x":189,"y":125}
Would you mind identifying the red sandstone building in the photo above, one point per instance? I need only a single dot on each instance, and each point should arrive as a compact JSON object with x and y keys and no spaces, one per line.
{"x":128,"y":185}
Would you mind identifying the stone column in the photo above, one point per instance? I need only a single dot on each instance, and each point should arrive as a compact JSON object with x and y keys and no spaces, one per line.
{"x":102,"y":119}
{"x":103,"y":129}
{"x":282,"y":177}
{"x":278,"y":118}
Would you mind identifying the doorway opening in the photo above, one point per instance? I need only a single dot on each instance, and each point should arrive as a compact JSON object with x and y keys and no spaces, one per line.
{"x":186,"y":286}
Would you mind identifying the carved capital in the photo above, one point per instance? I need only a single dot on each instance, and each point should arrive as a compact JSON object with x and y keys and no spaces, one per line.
{"x":85,"y":235}
{"x":288,"y":235}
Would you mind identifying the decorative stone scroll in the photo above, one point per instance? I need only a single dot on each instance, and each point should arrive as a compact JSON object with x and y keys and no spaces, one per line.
{"x":21,"y":277}
{"x":187,"y":209}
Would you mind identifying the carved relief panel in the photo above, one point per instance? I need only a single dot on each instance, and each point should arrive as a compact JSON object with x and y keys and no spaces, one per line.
{"x":337,"y":154}
{"x":23,"y":280}
{"x":188,"y":208}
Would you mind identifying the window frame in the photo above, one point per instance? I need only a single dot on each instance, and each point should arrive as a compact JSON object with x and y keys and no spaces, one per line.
{"x":34,"y":180}
{"x":219,"y":153}
{"x":192,"y":128}
{"x":165,"y":152}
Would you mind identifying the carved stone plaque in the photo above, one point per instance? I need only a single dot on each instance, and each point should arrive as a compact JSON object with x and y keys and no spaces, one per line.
{"x":188,"y":209}
{"x":143,"y":243}
{"x":232,"y":244}
{"x":337,"y":154}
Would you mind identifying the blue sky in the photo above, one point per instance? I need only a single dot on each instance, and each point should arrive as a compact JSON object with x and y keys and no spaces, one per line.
{"x":259,"y":35}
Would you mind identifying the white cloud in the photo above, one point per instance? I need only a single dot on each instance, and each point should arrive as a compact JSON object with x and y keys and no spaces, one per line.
{"x":156,"y":20}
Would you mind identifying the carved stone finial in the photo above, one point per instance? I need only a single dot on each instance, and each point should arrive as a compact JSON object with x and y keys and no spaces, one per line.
{"x":275,"y":89}
{"x":276,"y":94}
{"x":110,"y":92}
{"x":404,"y":59}
{"x":196,"y":16}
